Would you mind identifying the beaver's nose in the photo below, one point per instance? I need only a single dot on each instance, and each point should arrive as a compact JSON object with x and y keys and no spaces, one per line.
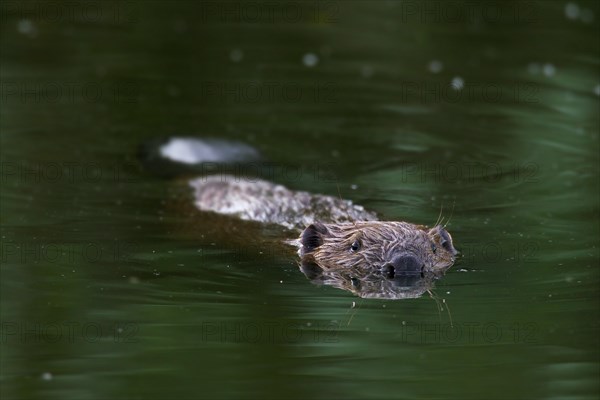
{"x":403,"y":265}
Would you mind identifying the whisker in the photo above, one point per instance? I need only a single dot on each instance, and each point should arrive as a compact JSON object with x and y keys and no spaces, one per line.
{"x":451,"y":213}
{"x":355,"y":306}
{"x":437,"y":303}
{"x":449,"y":313}
{"x":441,"y":308}
{"x":439,"y":216}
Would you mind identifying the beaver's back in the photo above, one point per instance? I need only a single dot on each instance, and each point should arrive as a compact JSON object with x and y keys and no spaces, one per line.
{"x":267,"y":202}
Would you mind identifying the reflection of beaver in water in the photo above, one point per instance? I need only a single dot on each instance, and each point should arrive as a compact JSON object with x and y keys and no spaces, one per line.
{"x":337,"y":235}
{"x":372,"y":283}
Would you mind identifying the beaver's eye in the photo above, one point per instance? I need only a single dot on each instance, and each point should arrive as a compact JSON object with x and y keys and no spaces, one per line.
{"x":433,"y":248}
{"x":355,"y":246}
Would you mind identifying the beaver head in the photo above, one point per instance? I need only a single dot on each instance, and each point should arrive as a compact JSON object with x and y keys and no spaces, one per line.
{"x":394,"y":248}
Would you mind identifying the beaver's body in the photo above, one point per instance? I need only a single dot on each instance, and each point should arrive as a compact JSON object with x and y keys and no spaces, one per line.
{"x":267,"y":202}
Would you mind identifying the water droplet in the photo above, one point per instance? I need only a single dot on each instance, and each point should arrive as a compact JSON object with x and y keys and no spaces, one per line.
{"x":572,"y":11}
{"x":26,"y":27}
{"x":549,"y":70}
{"x":310,"y":60}
{"x":236,"y":55}
{"x":457,"y":83}
{"x":435,"y":66}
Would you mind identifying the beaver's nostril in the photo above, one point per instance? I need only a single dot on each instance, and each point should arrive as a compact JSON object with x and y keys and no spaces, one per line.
{"x":390,"y":271}
{"x":407,"y":265}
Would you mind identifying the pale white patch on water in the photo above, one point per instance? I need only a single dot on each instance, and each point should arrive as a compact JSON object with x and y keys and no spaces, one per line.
{"x":572,"y":11}
{"x":310,"y":60}
{"x":457,"y":83}
{"x":194,"y":151}
{"x":549,"y":70}
{"x":597,"y":90}
{"x":46,"y":376}
{"x":435,"y":66}
{"x":180,"y":151}
{"x":236,"y":55}
{"x":26,"y":27}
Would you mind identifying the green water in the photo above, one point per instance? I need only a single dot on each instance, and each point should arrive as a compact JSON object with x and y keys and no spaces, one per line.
{"x":112,"y":288}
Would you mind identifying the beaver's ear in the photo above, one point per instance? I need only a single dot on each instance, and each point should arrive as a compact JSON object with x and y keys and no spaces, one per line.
{"x":312,"y":237}
{"x":441,"y":236}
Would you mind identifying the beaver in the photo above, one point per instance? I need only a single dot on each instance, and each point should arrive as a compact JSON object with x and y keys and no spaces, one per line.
{"x":336,"y":233}
{"x":335,"y":236}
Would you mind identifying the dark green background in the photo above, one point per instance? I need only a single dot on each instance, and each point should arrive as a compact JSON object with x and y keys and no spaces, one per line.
{"x":110,"y":289}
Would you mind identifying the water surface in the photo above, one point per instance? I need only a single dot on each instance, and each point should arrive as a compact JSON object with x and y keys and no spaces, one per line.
{"x":112,"y":287}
